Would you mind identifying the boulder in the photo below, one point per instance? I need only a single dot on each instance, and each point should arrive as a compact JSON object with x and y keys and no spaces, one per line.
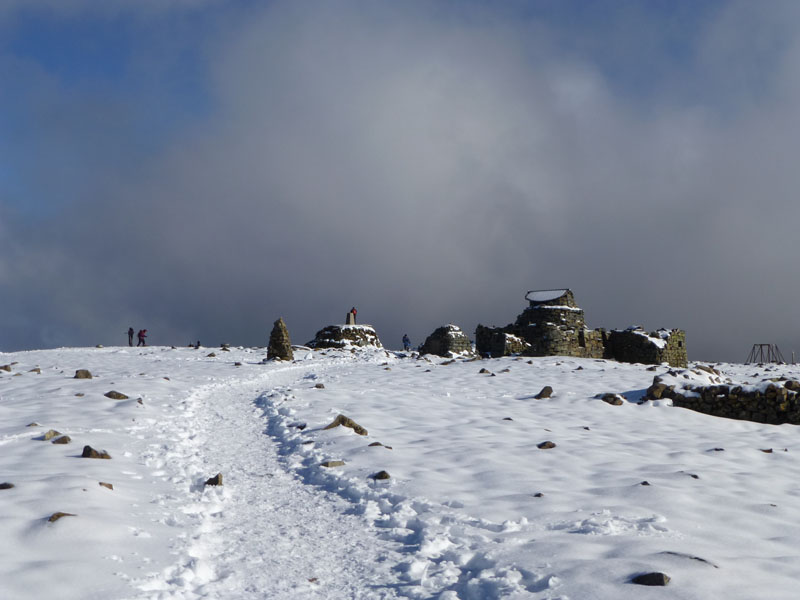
{"x":447,"y":341}
{"x":64,"y":439}
{"x":546,"y":445}
{"x":280,"y":346}
{"x":57,"y":515}
{"x":546,"y":392}
{"x":50,"y":434}
{"x":216,"y":480}
{"x":89,"y":452}
{"x":347,"y":422}
{"x":83,"y":374}
{"x":6,"y":368}
{"x":106,"y":485}
{"x":6,"y":485}
{"x":332,"y":463}
{"x":613,"y":399}
{"x":654,"y":579}
{"x":380,"y":475}
{"x":115,"y":395}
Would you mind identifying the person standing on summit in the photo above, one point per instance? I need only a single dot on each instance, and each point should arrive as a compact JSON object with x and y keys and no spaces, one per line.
{"x":141,"y":335}
{"x":130,"y":336}
{"x":353,"y":311}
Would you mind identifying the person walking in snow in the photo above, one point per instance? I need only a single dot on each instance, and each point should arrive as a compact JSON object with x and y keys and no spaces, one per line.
{"x":141,"y":335}
{"x":406,"y":342}
{"x":130,"y":336}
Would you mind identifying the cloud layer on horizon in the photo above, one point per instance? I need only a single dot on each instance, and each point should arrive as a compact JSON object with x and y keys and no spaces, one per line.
{"x":427,"y":165}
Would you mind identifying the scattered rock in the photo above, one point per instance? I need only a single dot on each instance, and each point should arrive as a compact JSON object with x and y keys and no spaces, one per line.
{"x":36,"y":370}
{"x":57,"y":515}
{"x":332,"y":463}
{"x":166,"y":379}
{"x":83,"y":374}
{"x":64,"y":439}
{"x":33,"y":424}
{"x":300,"y":426}
{"x":106,"y":485}
{"x":50,"y":434}
{"x":546,"y":392}
{"x":507,"y":419}
{"x":5,"y":368}
{"x":381,"y":475}
{"x":115,"y":395}
{"x":645,"y":483}
{"x":717,"y":450}
{"x":80,"y":395}
{"x":280,"y":346}
{"x":538,"y":495}
{"x":347,"y":422}
{"x":484,"y":370}
{"x":373,"y":444}
{"x":140,"y":401}
{"x":659,"y":579}
{"x":613,"y":399}
{"x":546,"y":445}
{"x":320,"y":386}
{"x":766,"y":450}
{"x":6,"y":485}
{"x":506,"y":371}
{"x":89,"y":452}
{"x":211,"y":355}
{"x":237,"y":364}
{"x":689,"y":556}
{"x":215,"y":480}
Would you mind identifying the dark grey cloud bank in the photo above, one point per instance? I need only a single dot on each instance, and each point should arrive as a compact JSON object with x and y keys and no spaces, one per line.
{"x":427,"y":165}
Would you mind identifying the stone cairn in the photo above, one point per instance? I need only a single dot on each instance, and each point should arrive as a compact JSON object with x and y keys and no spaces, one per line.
{"x":280,"y":346}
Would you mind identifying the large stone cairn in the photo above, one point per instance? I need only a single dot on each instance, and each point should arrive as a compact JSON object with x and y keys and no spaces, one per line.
{"x":346,"y":336}
{"x":280,"y":346}
{"x":447,"y":341}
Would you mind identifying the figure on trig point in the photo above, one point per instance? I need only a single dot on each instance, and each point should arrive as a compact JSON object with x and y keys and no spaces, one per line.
{"x":351,"y":316}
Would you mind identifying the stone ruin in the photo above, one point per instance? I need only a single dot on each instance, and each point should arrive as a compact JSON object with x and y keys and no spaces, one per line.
{"x":447,"y":341}
{"x":346,"y":336}
{"x":554,"y":325}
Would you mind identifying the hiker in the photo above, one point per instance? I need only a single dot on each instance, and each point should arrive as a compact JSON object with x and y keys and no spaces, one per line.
{"x":130,"y":336}
{"x":141,"y":335}
{"x":353,"y":311}
{"x":406,"y":342}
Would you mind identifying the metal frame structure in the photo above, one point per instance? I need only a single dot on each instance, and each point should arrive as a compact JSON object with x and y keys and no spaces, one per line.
{"x":765,"y":353}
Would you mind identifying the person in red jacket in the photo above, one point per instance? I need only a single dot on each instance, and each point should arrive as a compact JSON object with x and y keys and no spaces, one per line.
{"x":141,"y":335}
{"x":354,"y":311}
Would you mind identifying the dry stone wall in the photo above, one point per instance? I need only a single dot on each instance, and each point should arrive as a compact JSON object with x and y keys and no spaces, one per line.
{"x":447,"y":341}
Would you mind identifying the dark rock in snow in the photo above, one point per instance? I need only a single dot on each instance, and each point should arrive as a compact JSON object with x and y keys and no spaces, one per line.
{"x":83,"y":374}
{"x":546,"y":445}
{"x":106,"y":485}
{"x":612,"y":399}
{"x":115,"y":395}
{"x":653,"y":579}
{"x":50,"y":434}
{"x":332,"y":463}
{"x":215,"y":480}
{"x":6,"y":485}
{"x":546,"y":392}
{"x":381,"y":475}
{"x":89,"y":452}
{"x":64,"y":439}
{"x":57,"y":515}
{"x":347,"y":422}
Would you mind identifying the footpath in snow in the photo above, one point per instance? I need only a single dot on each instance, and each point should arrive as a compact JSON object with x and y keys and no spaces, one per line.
{"x":472,"y":506}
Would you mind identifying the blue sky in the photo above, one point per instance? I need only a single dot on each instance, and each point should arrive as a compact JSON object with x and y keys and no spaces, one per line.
{"x":154,"y":153}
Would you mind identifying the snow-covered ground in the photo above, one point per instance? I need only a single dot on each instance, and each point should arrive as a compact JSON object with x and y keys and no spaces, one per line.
{"x":472,"y":507}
